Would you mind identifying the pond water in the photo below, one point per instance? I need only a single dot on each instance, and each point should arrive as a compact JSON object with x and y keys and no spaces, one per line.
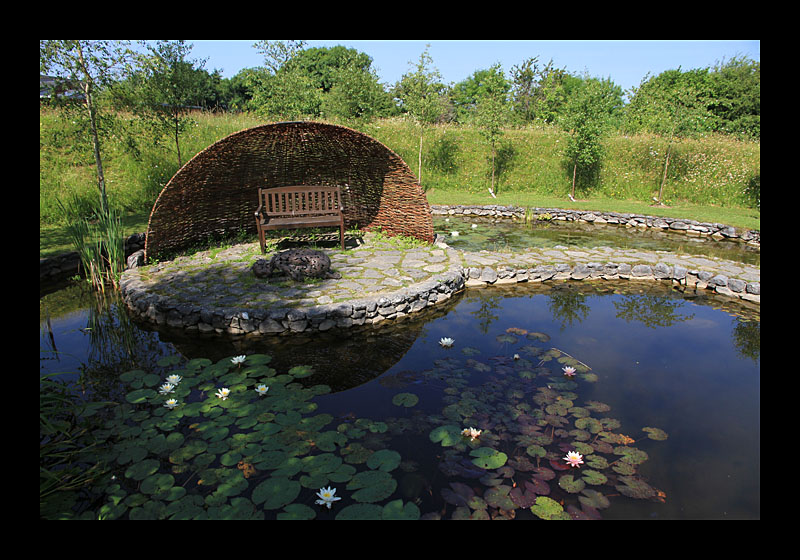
{"x":504,"y":235}
{"x":378,"y":414}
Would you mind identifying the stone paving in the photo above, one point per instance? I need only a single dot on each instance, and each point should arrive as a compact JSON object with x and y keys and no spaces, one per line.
{"x":216,"y":290}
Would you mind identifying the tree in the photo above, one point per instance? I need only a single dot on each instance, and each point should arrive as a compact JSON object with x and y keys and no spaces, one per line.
{"x":586,"y":117}
{"x":93,"y":65}
{"x":422,"y":95}
{"x":492,"y":112}
{"x":284,"y":89}
{"x":674,"y":104}
{"x":355,"y":94}
{"x":736,"y":85}
{"x":164,"y":85}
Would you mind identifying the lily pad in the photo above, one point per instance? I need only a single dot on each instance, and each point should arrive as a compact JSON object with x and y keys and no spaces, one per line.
{"x":276,"y":492}
{"x":488,"y":458}
{"x":498,"y":496}
{"x":142,"y":469}
{"x":384,"y":460}
{"x":301,"y":371}
{"x":396,"y":510}
{"x":593,"y":498}
{"x":548,"y":509}
{"x":405,"y":399}
{"x":372,"y":486}
{"x":593,"y":477}
{"x":571,"y":484}
{"x":297,"y":512}
{"x":448,"y":435}
{"x":140,"y":396}
{"x":655,"y":433}
{"x":361,"y":512}
{"x":635,"y":488}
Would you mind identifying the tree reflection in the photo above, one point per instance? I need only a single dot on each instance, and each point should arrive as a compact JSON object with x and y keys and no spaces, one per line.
{"x":651,"y":310}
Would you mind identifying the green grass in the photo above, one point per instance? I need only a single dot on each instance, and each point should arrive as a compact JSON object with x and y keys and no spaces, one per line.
{"x":706,"y":182}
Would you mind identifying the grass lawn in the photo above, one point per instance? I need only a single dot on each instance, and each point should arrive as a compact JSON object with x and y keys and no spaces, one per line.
{"x":54,"y":239}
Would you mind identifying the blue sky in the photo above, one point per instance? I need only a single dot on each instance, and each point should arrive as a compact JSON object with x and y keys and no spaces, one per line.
{"x":626,"y":62}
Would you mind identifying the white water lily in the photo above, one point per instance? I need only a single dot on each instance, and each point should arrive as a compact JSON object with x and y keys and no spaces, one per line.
{"x":262,"y":389}
{"x":236,"y":360}
{"x":326,"y":496}
{"x":446,"y":342}
{"x":174,"y":379}
{"x":166,"y":388}
{"x":223,"y":393}
{"x":171,"y":403}
{"x":471,"y":433}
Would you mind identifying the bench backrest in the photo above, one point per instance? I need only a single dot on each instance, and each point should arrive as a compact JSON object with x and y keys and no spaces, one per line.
{"x":300,"y":201}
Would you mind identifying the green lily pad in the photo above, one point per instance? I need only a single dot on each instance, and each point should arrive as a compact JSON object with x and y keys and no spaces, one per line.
{"x":143,"y":469}
{"x":157,"y":483}
{"x":276,"y":492}
{"x":301,"y":371}
{"x":635,"y":488}
{"x":548,"y":509}
{"x":297,"y":512}
{"x":361,"y":512}
{"x":372,"y":486}
{"x":405,"y":399}
{"x":384,"y":460}
{"x":593,"y":498}
{"x":488,"y":458}
{"x":498,"y":496}
{"x":140,"y":396}
{"x":506,"y":338}
{"x":571,"y":484}
{"x":593,"y":477}
{"x":655,"y":433}
{"x":396,"y":510}
{"x":448,"y":435}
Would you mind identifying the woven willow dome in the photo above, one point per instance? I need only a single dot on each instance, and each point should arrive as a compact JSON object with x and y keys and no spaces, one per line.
{"x":216,"y":192}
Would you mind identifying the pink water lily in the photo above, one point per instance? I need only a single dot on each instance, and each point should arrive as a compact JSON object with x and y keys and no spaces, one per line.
{"x":569,"y":371}
{"x":574,"y":459}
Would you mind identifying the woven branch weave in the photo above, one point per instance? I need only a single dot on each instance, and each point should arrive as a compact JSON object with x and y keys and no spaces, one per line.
{"x":216,"y":192}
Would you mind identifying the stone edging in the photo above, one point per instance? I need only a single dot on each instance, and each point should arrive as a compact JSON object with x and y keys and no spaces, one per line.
{"x":370,"y":311}
{"x":689,"y":227}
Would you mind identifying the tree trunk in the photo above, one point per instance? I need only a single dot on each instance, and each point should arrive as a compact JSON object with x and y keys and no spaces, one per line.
{"x":493,"y":153}
{"x":419,"y":169}
{"x":177,"y":144}
{"x":666,"y":166}
{"x":87,"y":90}
{"x":574,"y":172}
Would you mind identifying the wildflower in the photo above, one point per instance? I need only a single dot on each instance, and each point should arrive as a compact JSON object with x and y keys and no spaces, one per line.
{"x":474,"y":226}
{"x":569,"y":371}
{"x":262,"y":389}
{"x":574,"y":458}
{"x":166,"y":388}
{"x":454,"y":233}
{"x":516,"y":356}
{"x":174,"y":379}
{"x":171,"y":403}
{"x":223,"y":393}
{"x":237,"y":359}
{"x":446,"y":342}
{"x":326,"y":496}
{"x":471,"y":433}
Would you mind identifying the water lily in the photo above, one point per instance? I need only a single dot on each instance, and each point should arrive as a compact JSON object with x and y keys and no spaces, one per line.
{"x":569,"y":371}
{"x":446,"y":342}
{"x":223,"y":393}
{"x":171,"y":403}
{"x":166,"y":388}
{"x":174,"y":379}
{"x":326,"y":496}
{"x":516,"y":356}
{"x":574,"y":458}
{"x":236,"y":360}
{"x":471,"y":433}
{"x":262,"y":389}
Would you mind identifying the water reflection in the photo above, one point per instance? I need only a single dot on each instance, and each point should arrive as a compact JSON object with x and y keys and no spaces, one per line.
{"x":505,"y":236}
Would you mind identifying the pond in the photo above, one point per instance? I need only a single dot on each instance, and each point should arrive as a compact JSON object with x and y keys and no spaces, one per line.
{"x":663,"y":409}
{"x":478,"y":233}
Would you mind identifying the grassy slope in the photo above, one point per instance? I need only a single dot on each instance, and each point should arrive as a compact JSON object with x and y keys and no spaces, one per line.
{"x":706,"y":180}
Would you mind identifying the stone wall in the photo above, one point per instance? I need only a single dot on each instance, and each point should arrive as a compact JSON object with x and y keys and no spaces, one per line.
{"x":689,"y":227}
{"x":62,"y":267}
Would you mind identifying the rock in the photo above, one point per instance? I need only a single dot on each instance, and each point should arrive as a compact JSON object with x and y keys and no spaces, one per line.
{"x":297,"y":264}
{"x":136,"y":259}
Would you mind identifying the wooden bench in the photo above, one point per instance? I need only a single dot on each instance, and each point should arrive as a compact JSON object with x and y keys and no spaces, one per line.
{"x":298,"y":207}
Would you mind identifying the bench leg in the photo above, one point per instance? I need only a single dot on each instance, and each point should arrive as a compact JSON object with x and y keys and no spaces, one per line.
{"x":341,"y":235}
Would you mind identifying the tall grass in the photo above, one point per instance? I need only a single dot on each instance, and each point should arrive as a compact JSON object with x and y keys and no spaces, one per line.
{"x":715,"y":170}
{"x":99,"y":242}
